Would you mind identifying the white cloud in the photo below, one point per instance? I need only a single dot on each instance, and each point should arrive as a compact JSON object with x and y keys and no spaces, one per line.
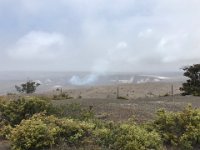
{"x":101,"y":35}
{"x":122,"y":45}
{"x":145,"y":33}
{"x":38,"y":45}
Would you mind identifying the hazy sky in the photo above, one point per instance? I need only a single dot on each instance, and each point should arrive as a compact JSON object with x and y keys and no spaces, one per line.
{"x":99,"y":35}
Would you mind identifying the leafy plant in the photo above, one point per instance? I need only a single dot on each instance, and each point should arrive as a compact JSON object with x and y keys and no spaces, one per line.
{"x":62,"y":96}
{"x":28,"y":87}
{"x":17,"y":110}
{"x":34,"y":133}
{"x":5,"y":130}
{"x":41,"y":131}
{"x":192,"y":86}
{"x":128,"y":136}
{"x":180,"y":129}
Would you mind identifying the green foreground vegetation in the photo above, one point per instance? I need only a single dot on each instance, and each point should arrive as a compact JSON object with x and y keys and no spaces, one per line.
{"x":30,"y":123}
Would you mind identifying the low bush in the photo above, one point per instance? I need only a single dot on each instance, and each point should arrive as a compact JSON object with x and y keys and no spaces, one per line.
{"x":5,"y":130}
{"x":17,"y":110}
{"x":34,"y":133}
{"x":128,"y":136}
{"x":41,"y":131}
{"x":180,"y":129}
{"x":62,"y":96}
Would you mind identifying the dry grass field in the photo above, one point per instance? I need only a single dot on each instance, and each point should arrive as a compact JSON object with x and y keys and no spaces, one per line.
{"x":142,"y":108}
{"x":139,"y":100}
{"x":129,"y":91}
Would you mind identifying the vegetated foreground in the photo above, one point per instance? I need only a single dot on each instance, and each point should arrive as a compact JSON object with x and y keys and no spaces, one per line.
{"x":73,"y":120}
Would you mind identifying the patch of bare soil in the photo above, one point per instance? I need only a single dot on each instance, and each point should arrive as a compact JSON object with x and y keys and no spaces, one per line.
{"x":129,"y":91}
{"x":142,"y":108}
{"x":140,"y":100}
{"x":4,"y":145}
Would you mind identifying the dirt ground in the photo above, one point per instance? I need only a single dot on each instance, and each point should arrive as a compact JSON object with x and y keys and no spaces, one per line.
{"x":142,"y":108}
{"x":138,"y":100}
{"x":4,"y":145}
{"x":130,"y":91}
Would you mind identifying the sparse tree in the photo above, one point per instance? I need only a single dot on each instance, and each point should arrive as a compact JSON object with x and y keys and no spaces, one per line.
{"x":28,"y":87}
{"x":192,"y":85}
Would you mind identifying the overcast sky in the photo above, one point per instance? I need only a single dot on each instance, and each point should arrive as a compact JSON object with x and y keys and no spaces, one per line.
{"x":99,"y":35}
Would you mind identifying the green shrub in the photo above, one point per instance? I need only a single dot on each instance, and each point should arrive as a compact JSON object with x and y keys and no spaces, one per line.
{"x":191,"y":138}
{"x":62,"y":96}
{"x":28,"y":87}
{"x":34,"y":133}
{"x":41,"y":131}
{"x":103,"y":137}
{"x":17,"y":110}
{"x":5,"y":130}
{"x":192,"y":85}
{"x":180,"y":129}
{"x":126,"y":137}
{"x":74,"y":132}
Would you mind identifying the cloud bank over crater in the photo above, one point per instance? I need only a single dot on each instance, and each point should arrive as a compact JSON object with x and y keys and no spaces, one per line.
{"x":99,"y":36}
{"x":38,"y":45}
